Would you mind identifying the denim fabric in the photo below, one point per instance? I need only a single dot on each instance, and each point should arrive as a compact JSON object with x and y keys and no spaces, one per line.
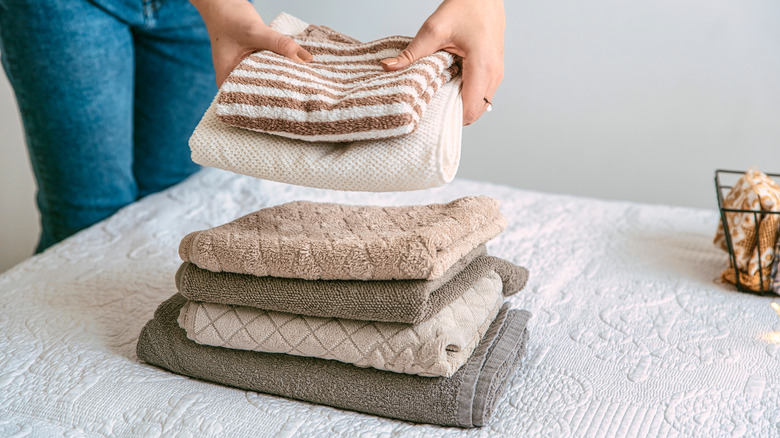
{"x":109,"y":92}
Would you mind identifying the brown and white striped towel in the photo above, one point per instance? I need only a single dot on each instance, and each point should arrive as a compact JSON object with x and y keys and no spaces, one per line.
{"x":342,"y":95}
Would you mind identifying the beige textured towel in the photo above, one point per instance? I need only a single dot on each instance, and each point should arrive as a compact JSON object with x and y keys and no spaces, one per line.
{"x":314,"y":241}
{"x":437,"y":347}
{"x":426,"y":158}
{"x":342,"y":95}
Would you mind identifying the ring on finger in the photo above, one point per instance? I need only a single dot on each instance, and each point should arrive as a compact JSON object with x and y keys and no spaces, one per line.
{"x":489,"y":104}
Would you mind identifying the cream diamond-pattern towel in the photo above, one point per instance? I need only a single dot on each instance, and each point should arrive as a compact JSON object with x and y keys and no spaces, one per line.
{"x":436,"y":347}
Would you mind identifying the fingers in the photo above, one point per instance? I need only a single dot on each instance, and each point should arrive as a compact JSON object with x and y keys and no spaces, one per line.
{"x":425,"y":43}
{"x":229,"y":52}
{"x":482,"y":64}
{"x":476,"y":87}
{"x":483,"y":72}
{"x":285,"y":46}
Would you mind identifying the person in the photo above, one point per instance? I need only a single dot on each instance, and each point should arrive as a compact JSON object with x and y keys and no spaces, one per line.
{"x":109,"y":91}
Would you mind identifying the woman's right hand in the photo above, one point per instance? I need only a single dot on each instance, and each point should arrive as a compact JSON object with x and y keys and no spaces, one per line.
{"x":236,"y":30}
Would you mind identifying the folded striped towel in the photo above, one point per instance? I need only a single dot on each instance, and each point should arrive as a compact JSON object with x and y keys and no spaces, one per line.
{"x":428,"y":157}
{"x":342,"y":95}
{"x":436,"y":347}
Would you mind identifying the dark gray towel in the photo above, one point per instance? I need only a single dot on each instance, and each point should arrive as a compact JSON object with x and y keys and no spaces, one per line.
{"x":466,"y":399}
{"x":407,"y":301}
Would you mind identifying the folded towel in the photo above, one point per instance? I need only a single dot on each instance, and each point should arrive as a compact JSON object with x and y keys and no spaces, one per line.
{"x":426,"y":158}
{"x":466,"y":399}
{"x":754,"y":191}
{"x":324,"y":241}
{"x":342,"y":95}
{"x":436,"y":347}
{"x":408,"y":301}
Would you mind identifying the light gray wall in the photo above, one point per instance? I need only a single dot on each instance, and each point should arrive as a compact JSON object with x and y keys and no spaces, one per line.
{"x":621,"y":100}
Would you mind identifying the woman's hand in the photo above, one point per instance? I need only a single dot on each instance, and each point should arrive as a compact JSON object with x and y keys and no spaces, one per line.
{"x":473,"y":30}
{"x":236,"y":30}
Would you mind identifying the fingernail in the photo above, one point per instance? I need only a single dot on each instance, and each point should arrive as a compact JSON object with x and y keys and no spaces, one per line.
{"x":389,"y":62}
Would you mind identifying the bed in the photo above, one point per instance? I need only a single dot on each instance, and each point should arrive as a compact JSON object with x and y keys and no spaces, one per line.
{"x":631,"y":335}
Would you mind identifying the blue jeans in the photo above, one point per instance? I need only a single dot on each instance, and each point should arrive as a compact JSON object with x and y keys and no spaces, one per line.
{"x":109,"y":92}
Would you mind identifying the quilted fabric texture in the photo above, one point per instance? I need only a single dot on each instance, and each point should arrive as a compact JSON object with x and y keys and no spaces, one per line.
{"x":408,"y":301}
{"x":631,"y":334}
{"x":426,"y":158}
{"x":326,"y":241}
{"x":342,"y":95}
{"x":754,"y":191}
{"x":436,"y":347}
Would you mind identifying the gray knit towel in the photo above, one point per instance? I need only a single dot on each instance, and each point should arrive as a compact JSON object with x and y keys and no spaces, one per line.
{"x":406,"y":301}
{"x":467,"y":399}
{"x":325,"y":241}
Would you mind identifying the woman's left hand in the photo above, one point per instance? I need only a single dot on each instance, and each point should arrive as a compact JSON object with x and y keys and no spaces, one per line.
{"x":473,"y":30}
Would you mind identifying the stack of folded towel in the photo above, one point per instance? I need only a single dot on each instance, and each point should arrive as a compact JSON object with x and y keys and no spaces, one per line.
{"x":393,"y":311}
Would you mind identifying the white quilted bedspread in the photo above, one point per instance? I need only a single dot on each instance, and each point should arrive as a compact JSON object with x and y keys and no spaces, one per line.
{"x":631,"y":335}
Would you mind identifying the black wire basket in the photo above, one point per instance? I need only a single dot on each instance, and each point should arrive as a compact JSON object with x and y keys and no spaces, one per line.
{"x":723,"y":185}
